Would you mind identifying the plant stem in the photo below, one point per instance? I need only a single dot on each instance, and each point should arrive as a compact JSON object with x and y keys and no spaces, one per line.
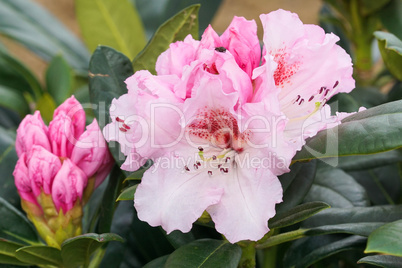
{"x":247,"y":259}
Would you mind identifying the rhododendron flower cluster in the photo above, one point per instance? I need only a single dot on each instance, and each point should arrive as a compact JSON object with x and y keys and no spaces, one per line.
{"x":58,"y":168}
{"x":223,"y":118}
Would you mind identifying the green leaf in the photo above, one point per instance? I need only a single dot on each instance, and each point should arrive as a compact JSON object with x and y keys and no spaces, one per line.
{"x":334,"y":216}
{"x":157,"y":263}
{"x":7,"y":252}
{"x":364,"y":162}
{"x":108,"y":70}
{"x":111,"y":23}
{"x":304,"y":253}
{"x":59,"y":79}
{"x":178,"y":239}
{"x":127,"y":194}
{"x":296,"y":184}
{"x":8,"y":160}
{"x":13,"y":100}
{"x":14,"y":74}
{"x":78,"y":250}
{"x":391,"y":17}
{"x":205,"y":253}
{"x":337,"y":188}
{"x":175,"y":29}
{"x":39,"y":255}
{"x":109,"y":204}
{"x":391,"y":51}
{"x":387,"y":239}
{"x":15,"y":225}
{"x":385,"y":261}
{"x":296,"y":214}
{"x":38,"y":30}
{"x":46,"y":105}
{"x":137,"y":175}
{"x":368,"y":6}
{"x":360,"y":133}
{"x":156,"y":12}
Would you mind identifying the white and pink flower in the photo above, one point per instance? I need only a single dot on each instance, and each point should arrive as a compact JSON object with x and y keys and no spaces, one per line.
{"x":220,"y":127}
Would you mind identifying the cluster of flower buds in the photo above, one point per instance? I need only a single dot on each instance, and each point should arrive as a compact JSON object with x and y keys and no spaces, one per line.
{"x":59,"y":166}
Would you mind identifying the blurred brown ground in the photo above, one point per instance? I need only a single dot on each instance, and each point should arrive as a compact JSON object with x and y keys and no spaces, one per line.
{"x":64,"y":10}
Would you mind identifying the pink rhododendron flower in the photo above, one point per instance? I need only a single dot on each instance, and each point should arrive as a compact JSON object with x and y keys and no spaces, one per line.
{"x":220,"y":127}
{"x":56,"y":165}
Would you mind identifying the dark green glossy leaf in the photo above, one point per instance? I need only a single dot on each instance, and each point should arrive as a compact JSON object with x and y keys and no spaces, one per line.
{"x":334,"y":216}
{"x":137,"y":175}
{"x":111,"y":23}
{"x":385,"y":261}
{"x":178,"y":239}
{"x":157,"y":263}
{"x":59,"y":79}
{"x":296,"y":184}
{"x":7,"y":252}
{"x":362,"y":162}
{"x":14,"y":74}
{"x":296,"y":214}
{"x":8,"y":159}
{"x":304,"y":253}
{"x":127,"y":193}
{"x":391,"y":17}
{"x":382,"y":184}
{"x":108,"y":70}
{"x":39,"y":255}
{"x":15,"y":225}
{"x":337,"y":188}
{"x":77,"y":250}
{"x":205,"y":253}
{"x":109,"y":204}
{"x":13,"y":100}
{"x":175,"y":29}
{"x":391,"y":51}
{"x":34,"y":27}
{"x":387,"y":239}
{"x":360,"y":133}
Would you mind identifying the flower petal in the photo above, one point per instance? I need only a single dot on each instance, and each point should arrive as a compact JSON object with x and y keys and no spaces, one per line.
{"x":22,"y":180}
{"x":248,"y":202}
{"x":42,"y":168}
{"x":31,"y":131}
{"x":73,"y":109}
{"x":169,"y":197}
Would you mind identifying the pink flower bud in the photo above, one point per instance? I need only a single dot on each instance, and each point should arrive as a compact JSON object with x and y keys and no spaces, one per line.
{"x":61,"y":135}
{"x":72,"y":109}
{"x":68,"y":186}
{"x":22,"y":180}
{"x":90,"y":153}
{"x":32,"y":130}
{"x":42,"y":168}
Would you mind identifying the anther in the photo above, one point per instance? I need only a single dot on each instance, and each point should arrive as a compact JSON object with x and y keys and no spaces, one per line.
{"x":214,"y":157}
{"x":126,"y":127}
{"x":220,"y":49}
{"x":186,"y":168}
{"x":209,"y":172}
{"x":311,"y":98}
{"x":195,"y":166}
{"x":326,"y":92}
{"x":227,"y":159}
{"x":321,"y":90}
{"x":119,"y":120}
{"x":336,"y":84}
{"x":198,"y":163}
{"x":200,"y":149}
{"x":122,"y":129}
{"x":301,"y":101}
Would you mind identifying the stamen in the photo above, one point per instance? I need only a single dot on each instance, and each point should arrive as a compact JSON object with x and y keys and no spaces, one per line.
{"x":122,"y":129}
{"x":311,"y":98}
{"x":126,"y":127}
{"x":195,"y":166}
{"x":326,"y":92}
{"x":214,"y":157}
{"x":200,"y":149}
{"x":301,"y":101}
{"x":186,"y":168}
{"x":227,"y":159}
{"x":198,"y":163}
{"x":220,"y":49}
{"x":321,"y":90}
{"x":119,"y":120}
{"x":209,"y":172}
{"x":336,"y":84}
